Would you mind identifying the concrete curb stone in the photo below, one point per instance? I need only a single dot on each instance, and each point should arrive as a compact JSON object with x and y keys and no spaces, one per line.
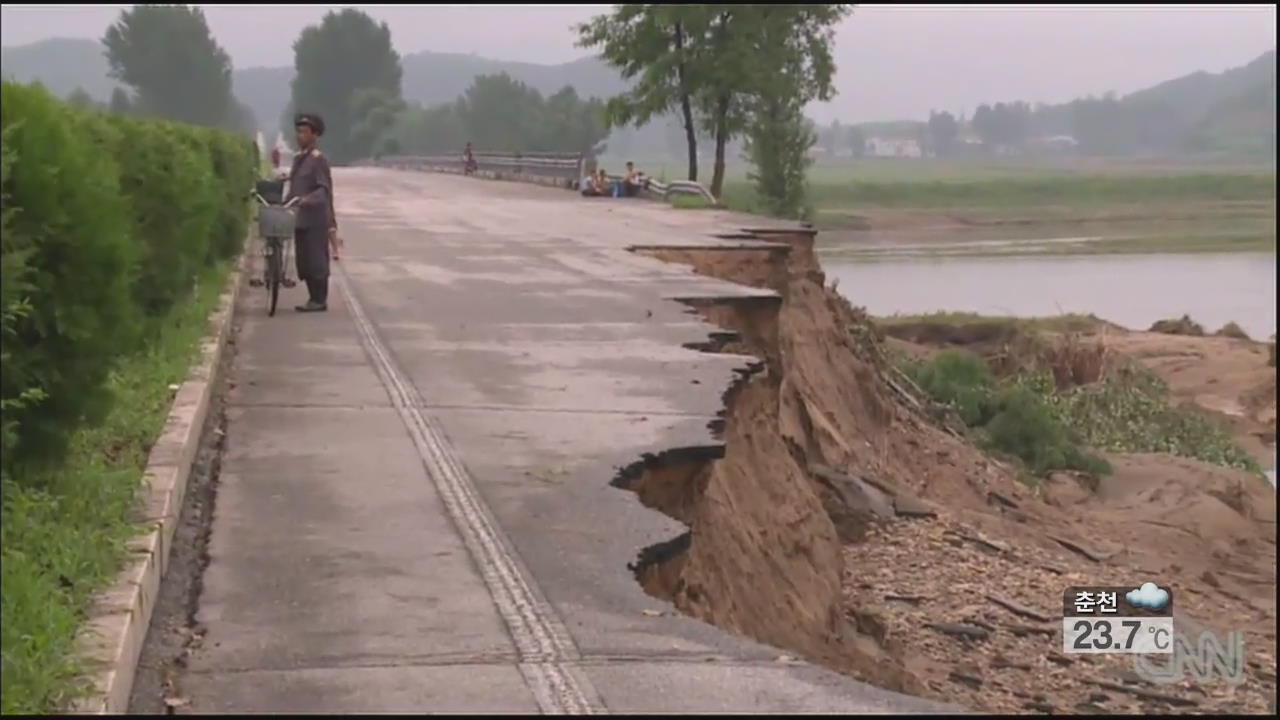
{"x":110,"y":641}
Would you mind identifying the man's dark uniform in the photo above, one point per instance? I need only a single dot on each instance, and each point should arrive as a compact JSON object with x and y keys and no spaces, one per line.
{"x":311,"y":180}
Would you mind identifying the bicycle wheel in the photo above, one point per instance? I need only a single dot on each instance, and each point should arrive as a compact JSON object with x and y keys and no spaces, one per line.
{"x":275,"y":272}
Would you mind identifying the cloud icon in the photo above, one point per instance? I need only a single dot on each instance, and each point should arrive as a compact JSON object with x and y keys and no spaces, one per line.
{"x":1148,"y":596}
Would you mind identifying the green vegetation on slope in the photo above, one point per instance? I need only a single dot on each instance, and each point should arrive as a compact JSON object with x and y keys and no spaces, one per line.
{"x":1005,"y":418}
{"x":1052,"y":406}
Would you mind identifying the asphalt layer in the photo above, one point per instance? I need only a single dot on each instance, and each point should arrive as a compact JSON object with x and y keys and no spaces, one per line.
{"x":413,"y":510}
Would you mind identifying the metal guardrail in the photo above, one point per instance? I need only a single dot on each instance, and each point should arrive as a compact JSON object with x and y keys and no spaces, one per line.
{"x":561,"y":169}
{"x":680,"y":187}
{"x":567,"y":166}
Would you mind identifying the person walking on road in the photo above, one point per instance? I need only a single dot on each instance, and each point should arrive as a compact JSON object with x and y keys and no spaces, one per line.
{"x":311,"y":181}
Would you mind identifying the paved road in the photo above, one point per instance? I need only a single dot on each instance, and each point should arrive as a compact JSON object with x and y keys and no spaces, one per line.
{"x":414,"y":512}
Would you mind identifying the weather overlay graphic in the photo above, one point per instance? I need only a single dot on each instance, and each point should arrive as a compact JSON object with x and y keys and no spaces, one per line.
{"x":1103,"y":619}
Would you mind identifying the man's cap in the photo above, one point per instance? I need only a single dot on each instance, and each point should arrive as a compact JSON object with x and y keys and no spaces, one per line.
{"x":311,"y":120}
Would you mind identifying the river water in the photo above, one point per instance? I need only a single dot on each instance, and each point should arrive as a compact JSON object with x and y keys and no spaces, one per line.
{"x":1131,"y":290}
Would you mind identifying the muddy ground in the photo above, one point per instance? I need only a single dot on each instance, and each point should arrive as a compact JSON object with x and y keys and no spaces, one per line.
{"x":173,"y":632}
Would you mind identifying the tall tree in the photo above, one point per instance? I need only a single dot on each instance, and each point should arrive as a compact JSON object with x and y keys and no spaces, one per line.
{"x":778,"y":143}
{"x":168,"y":56}
{"x":502,"y":113}
{"x":787,"y":64}
{"x":499,"y":113}
{"x":347,"y":52}
{"x":943,"y":131}
{"x":373,"y":112}
{"x":984,"y":124}
{"x":120,"y":102}
{"x":651,"y":43}
{"x":717,"y":65}
{"x":833,"y":137}
{"x":573,"y":125}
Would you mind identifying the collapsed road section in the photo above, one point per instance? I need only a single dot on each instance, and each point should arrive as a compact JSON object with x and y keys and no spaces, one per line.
{"x":410,"y":512}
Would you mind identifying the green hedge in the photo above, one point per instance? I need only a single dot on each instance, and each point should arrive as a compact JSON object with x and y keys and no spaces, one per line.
{"x":108,"y":220}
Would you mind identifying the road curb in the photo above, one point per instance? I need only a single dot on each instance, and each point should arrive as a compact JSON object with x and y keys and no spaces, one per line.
{"x":110,"y":641}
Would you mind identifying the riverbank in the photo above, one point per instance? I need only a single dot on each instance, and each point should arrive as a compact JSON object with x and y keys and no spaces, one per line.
{"x":931,"y":527}
{"x":1000,"y":206}
{"x":1229,"y":379}
{"x":1133,"y":291}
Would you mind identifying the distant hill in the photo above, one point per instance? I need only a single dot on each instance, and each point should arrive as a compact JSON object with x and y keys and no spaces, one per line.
{"x":430,"y":78}
{"x":61,"y":65}
{"x":1194,"y":96}
{"x":1243,"y":118}
{"x":1232,"y":110}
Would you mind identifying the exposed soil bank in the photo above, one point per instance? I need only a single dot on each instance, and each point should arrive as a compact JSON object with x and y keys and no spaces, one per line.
{"x":840,"y":518}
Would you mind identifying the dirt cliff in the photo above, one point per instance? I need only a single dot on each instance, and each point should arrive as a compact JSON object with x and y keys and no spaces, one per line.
{"x":842,"y":520}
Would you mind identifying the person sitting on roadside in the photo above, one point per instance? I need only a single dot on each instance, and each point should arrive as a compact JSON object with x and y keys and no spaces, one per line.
{"x":633,"y":181}
{"x":588,"y":185}
{"x":602,"y":186}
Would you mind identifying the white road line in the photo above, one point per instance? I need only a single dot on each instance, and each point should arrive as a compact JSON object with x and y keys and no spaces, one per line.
{"x":541,"y":639}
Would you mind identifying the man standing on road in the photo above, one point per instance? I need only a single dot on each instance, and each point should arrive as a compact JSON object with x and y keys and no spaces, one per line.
{"x":312,"y":183}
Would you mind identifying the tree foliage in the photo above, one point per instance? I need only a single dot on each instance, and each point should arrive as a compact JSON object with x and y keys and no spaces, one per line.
{"x":175,"y":67}
{"x":345,"y":65}
{"x":80,"y":99}
{"x":120,"y":102}
{"x":1003,"y":124}
{"x":778,"y":142}
{"x":650,"y":44}
{"x":788,"y":64}
{"x":943,"y":132}
{"x":724,"y":68}
{"x":106,"y":219}
{"x":498,"y":113}
{"x":856,"y":141}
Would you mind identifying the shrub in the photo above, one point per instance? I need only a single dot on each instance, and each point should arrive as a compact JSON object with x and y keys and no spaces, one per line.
{"x":1180,"y":326}
{"x":107,"y":221}
{"x":960,"y":379}
{"x":1024,"y":426}
{"x":67,"y":229}
{"x":235,"y":164}
{"x":1233,"y":330}
{"x":174,"y":197}
{"x":1130,"y":412}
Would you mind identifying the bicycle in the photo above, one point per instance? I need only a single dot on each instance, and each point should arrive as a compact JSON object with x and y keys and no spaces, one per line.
{"x":275,"y":226}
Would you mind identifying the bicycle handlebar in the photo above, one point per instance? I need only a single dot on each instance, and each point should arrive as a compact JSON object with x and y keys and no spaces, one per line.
{"x":257,"y":196}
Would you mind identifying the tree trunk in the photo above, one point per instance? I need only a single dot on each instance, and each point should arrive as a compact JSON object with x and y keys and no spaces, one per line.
{"x":722,"y":139}
{"x":686,"y":108}
{"x":690,"y":137}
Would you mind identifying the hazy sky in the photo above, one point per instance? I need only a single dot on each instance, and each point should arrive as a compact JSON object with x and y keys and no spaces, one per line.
{"x":893,"y":61}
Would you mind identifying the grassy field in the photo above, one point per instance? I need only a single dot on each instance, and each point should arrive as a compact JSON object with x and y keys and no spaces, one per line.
{"x":889,"y":170}
{"x":1130,"y":205}
{"x":64,"y":541}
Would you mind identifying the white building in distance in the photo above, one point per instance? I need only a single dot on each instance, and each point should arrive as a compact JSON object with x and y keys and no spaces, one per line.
{"x":894,"y":147}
